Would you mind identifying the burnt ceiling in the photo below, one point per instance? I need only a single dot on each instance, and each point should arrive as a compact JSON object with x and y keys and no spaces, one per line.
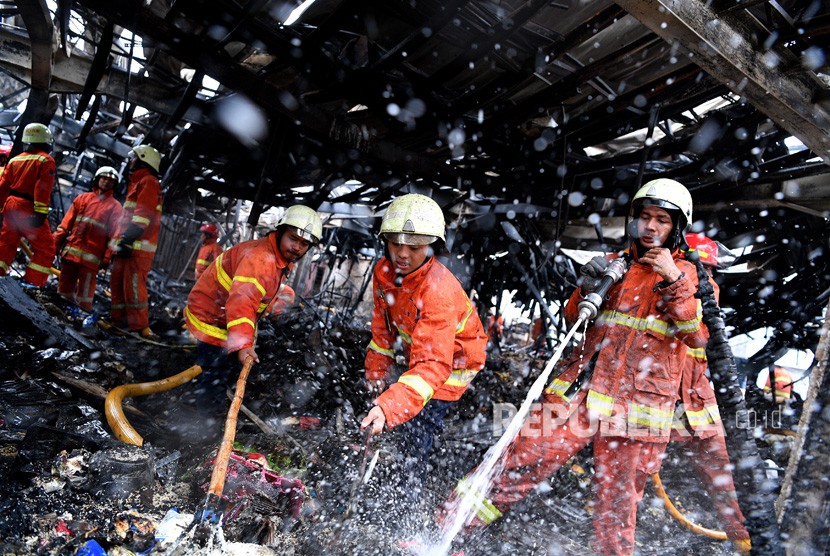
{"x":531,"y":122}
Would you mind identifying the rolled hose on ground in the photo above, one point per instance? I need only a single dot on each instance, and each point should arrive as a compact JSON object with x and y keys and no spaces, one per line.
{"x":676,"y":514}
{"x":115,"y":413}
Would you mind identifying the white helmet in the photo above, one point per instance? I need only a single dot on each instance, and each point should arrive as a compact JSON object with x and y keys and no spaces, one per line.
{"x":305,"y":221}
{"x":106,"y":171}
{"x":669,"y":195}
{"x":413,"y":219}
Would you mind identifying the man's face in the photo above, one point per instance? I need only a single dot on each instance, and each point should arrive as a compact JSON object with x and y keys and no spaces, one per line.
{"x":407,"y":258}
{"x":654,"y":226}
{"x":105,"y":183}
{"x":292,"y":246}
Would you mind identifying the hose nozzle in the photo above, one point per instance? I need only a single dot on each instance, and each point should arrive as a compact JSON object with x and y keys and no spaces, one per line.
{"x":590,"y":304}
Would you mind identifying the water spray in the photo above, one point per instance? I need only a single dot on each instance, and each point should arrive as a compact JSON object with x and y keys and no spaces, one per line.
{"x":480,"y":480}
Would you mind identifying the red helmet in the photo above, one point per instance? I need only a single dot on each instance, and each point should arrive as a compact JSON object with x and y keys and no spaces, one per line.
{"x":706,"y":248}
{"x":209,"y":229}
{"x":5,"y":151}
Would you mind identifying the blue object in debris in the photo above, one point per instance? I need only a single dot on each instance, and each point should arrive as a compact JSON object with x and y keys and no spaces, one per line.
{"x":91,"y":548}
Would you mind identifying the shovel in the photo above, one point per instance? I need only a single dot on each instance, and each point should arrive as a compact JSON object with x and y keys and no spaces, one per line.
{"x":207,"y":523}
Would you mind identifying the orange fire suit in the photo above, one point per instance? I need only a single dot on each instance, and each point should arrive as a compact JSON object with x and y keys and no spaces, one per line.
{"x":81,"y":239}
{"x":25,"y":191}
{"x":241,"y":284}
{"x":698,"y":425}
{"x":638,"y":344}
{"x":208,"y":252}
{"x":128,"y":281}
{"x":441,"y":336}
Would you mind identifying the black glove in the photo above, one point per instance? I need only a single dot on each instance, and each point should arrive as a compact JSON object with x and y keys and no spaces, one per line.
{"x":132,"y":233}
{"x":124,"y":249}
{"x":591,"y":273}
{"x":37,"y":219}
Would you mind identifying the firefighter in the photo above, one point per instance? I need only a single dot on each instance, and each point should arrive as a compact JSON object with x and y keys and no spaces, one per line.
{"x":25,"y":191}
{"x":210,"y":248}
{"x":82,"y":238}
{"x":697,"y":422}
{"x":633,"y":354}
{"x":783,"y":385}
{"x":236,"y":289}
{"x":495,"y":329}
{"x":135,"y":245}
{"x":421,"y":312}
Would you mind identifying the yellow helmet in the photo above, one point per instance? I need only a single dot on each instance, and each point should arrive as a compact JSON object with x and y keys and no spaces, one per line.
{"x":305,"y":221}
{"x":669,"y":195}
{"x":413,"y":219}
{"x":148,"y":155}
{"x":37,"y":133}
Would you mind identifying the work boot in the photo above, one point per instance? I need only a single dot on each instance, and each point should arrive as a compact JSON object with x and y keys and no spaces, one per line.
{"x":148,"y":334}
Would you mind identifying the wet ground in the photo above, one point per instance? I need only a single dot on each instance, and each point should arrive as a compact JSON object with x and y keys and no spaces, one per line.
{"x":65,"y":480}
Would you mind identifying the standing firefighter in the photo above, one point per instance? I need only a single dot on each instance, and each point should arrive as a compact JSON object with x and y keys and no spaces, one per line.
{"x":242,"y":284}
{"x":421,"y":308}
{"x":83,"y":235}
{"x":25,"y":191}
{"x":625,"y":375}
{"x":209,"y":250}
{"x":135,"y":247}
{"x":699,"y":425}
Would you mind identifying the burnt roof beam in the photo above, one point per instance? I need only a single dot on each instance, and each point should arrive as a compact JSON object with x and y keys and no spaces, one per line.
{"x":722,"y":45}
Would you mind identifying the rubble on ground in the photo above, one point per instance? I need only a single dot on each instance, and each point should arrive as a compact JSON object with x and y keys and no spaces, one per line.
{"x":69,"y":487}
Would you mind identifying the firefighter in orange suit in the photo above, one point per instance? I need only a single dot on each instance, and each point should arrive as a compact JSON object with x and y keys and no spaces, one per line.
{"x":209,"y":250}
{"x":25,"y":191}
{"x":83,"y":235}
{"x":697,"y":422}
{"x":135,"y":246}
{"x":634,"y":353}
{"x":243,"y":283}
{"x":783,"y":385}
{"x":420,"y":307}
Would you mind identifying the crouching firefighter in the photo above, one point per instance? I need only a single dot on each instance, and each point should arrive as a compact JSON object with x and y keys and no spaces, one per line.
{"x":422,"y":313}
{"x":625,"y":405}
{"x":242,"y":284}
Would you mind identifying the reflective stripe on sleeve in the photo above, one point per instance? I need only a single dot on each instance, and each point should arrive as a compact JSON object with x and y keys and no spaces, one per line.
{"x":419,"y":385}
{"x":205,"y":328}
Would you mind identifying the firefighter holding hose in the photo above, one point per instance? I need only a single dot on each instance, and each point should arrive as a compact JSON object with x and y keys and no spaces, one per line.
{"x":618,"y":388}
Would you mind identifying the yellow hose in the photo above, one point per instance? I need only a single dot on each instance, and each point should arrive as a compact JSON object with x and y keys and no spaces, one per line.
{"x":675,"y":513}
{"x":115,"y":413}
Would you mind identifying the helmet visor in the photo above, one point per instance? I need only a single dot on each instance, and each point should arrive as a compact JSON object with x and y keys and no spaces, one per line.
{"x":409,"y":239}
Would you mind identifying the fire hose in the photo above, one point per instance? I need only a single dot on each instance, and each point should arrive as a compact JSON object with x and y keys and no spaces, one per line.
{"x":115,"y":412}
{"x":678,"y":515}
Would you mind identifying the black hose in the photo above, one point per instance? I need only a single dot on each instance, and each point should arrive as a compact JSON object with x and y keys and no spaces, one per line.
{"x":756,"y":492}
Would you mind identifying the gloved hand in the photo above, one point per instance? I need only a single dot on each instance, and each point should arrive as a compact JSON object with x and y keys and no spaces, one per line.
{"x":123,"y":250}
{"x":591,"y":273}
{"x":36,"y":220}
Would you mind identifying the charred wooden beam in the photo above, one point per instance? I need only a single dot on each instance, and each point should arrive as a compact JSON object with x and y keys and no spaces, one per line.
{"x":722,"y":44}
{"x":97,"y":69}
{"x":69,"y":75}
